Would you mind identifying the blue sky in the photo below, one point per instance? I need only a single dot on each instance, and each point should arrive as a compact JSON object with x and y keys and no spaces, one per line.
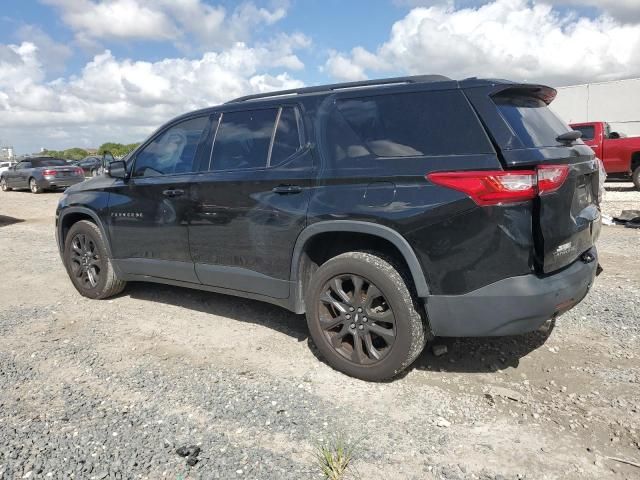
{"x":81,"y":72}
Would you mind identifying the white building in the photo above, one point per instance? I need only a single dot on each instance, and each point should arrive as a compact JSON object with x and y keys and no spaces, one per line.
{"x":6,"y":153}
{"x":616,"y":102}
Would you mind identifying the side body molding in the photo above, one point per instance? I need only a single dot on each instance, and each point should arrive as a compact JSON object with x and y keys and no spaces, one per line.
{"x":374,"y":229}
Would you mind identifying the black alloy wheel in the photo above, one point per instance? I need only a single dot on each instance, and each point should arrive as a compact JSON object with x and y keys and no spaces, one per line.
{"x":356,"y":319}
{"x":363,"y":316}
{"x":86,"y":263}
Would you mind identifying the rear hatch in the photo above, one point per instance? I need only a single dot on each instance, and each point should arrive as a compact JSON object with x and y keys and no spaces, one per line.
{"x":566,"y":220}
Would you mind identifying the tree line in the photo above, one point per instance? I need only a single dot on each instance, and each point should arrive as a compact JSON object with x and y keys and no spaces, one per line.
{"x":116,"y":149}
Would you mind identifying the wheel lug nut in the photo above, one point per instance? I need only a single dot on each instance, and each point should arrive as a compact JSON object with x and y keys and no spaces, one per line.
{"x":353,"y":325}
{"x":359,"y":310}
{"x":348,"y":316}
{"x":351,"y":309}
{"x":364,"y":319}
{"x":361,"y":327}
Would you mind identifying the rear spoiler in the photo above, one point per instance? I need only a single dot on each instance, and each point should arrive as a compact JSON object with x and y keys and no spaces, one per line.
{"x":542,"y":92}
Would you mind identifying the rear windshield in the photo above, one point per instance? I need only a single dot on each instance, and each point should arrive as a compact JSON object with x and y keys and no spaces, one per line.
{"x":531,"y":120}
{"x":588,"y":131}
{"x":48,"y":162}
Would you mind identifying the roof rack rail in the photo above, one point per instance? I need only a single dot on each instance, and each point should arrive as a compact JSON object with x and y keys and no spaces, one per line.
{"x":342,"y":86}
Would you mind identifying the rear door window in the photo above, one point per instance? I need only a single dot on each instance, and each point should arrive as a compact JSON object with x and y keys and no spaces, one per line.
{"x":406,"y":125}
{"x":530,"y":119}
{"x":287,"y":140}
{"x":243,"y":139}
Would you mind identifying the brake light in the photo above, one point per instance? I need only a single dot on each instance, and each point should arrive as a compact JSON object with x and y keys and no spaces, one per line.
{"x":79,"y":171}
{"x":551,"y":177}
{"x":494,"y":187}
{"x":49,"y":173}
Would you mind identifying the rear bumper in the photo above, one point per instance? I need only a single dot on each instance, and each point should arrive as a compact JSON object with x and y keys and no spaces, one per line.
{"x":511,"y":306}
{"x":60,"y":182}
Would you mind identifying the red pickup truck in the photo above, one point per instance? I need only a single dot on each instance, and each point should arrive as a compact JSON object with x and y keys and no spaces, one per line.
{"x":620,"y":155}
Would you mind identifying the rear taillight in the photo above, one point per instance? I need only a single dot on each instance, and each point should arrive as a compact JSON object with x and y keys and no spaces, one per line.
{"x":79,"y":171}
{"x":49,"y":173}
{"x":494,"y":187}
{"x":551,"y":177}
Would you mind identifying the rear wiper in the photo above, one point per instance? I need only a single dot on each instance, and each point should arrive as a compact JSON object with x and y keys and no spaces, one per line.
{"x":569,"y":137}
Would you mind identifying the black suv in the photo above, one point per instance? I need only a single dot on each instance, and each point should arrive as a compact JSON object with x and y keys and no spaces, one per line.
{"x":388,"y":211}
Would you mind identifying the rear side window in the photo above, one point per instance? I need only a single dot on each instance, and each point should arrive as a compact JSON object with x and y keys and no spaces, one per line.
{"x":406,"y":125}
{"x":286,"y":140}
{"x":243,"y":139}
{"x":588,"y":132}
{"x":530,"y":119}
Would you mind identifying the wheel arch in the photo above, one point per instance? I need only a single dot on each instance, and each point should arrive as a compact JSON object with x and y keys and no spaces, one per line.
{"x":72,"y":215}
{"x":302,"y":267}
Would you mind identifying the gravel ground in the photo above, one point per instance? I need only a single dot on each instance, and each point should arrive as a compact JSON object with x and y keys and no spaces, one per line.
{"x":110,"y":389}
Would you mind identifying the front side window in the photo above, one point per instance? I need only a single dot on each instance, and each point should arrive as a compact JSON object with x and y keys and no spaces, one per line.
{"x":243,"y":139}
{"x":173,"y":151}
{"x":23,"y":165}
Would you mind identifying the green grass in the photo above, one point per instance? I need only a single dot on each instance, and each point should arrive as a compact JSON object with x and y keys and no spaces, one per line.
{"x":334,"y":457}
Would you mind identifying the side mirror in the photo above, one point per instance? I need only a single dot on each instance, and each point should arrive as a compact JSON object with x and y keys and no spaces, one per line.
{"x":614,"y":135}
{"x":117,"y":169}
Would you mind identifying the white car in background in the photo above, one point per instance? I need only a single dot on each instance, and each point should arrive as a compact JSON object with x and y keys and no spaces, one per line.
{"x":5,"y":166}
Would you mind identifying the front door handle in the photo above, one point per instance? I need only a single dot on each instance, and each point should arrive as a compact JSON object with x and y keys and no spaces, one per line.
{"x":287,"y":189}
{"x":173,"y":193}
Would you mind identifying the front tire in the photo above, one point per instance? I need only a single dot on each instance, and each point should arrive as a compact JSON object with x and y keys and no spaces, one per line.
{"x":363,"y":317}
{"x":88,"y":264}
{"x":635,"y":176}
{"x":33,"y":186}
{"x":4,"y":186}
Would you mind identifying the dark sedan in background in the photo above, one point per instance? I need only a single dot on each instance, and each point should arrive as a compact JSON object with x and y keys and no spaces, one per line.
{"x":91,"y":165}
{"x":41,"y":173}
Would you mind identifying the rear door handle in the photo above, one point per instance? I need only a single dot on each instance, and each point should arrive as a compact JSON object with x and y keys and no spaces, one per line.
{"x":173,"y":193}
{"x":287,"y":189}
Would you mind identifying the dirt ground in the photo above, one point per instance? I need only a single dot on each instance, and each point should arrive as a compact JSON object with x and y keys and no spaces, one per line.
{"x":109,"y":389}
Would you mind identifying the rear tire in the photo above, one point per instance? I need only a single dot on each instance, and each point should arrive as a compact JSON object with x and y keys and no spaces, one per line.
{"x":4,"y":186}
{"x":362,"y":316}
{"x":635,"y":176}
{"x":94,"y":172}
{"x":88,"y":263}
{"x":33,"y":186}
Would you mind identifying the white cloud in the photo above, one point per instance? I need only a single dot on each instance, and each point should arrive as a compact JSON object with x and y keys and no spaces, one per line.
{"x":116,"y":19}
{"x":124,"y":100}
{"x":53,"y":54}
{"x":626,"y":11}
{"x":184,"y":22}
{"x":513,"y":39}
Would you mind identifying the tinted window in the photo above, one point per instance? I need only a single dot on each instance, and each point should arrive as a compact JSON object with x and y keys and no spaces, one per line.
{"x":23,"y":165}
{"x":243,"y":138}
{"x":405,"y":125}
{"x":173,"y":151}
{"x":588,"y":132}
{"x":287,"y":138}
{"x":531,"y":120}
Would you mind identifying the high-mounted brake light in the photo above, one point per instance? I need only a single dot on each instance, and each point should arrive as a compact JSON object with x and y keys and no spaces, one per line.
{"x":494,"y":187}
